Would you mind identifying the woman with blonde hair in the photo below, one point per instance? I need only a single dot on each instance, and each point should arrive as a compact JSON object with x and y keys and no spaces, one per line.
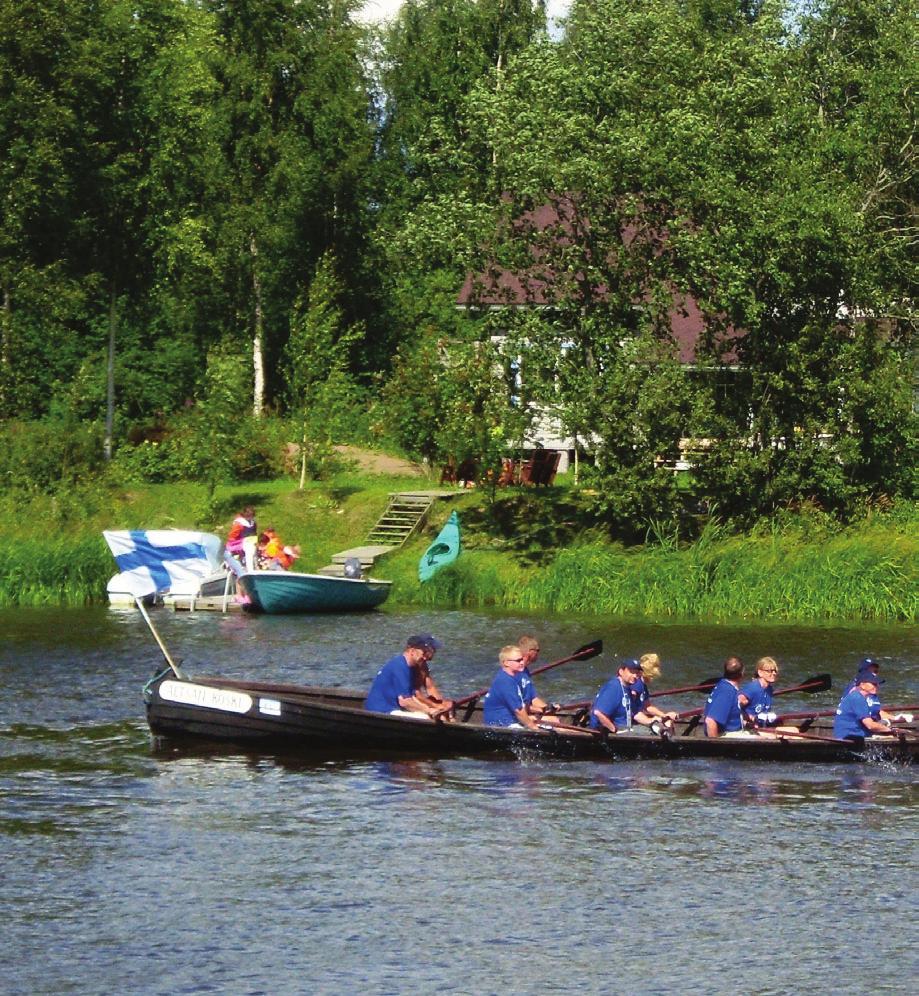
{"x":756,"y":698}
{"x":644,"y":713}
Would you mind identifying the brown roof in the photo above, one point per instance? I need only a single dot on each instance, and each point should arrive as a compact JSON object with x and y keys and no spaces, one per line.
{"x":533,"y":286}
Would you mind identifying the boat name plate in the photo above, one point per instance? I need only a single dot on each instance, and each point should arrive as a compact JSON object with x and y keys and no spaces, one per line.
{"x":270,"y":707}
{"x":189,"y":693}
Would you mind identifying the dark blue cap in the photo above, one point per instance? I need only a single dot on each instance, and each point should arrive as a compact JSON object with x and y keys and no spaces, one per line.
{"x":632,"y":665}
{"x":868,"y":664}
{"x":423,"y":641}
{"x":867,"y":675}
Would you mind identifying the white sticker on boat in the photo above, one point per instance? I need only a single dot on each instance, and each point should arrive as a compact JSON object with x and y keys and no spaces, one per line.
{"x":270,"y":707}
{"x":188,"y":693}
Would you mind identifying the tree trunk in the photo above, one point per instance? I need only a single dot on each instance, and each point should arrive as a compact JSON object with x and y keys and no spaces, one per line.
{"x":110,"y":377}
{"x":6,"y":353}
{"x":303,"y":460}
{"x":258,"y":337}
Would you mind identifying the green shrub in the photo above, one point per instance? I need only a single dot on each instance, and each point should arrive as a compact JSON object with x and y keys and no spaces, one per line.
{"x":43,"y":457}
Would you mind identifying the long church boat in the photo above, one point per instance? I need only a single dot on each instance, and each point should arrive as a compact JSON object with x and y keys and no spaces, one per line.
{"x":298,"y":719}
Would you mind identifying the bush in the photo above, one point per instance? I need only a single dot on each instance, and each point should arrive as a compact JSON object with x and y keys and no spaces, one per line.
{"x":258,"y":453}
{"x":50,"y":455}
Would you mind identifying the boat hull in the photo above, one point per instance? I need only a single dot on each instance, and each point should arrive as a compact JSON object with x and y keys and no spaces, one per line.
{"x":277,"y":592}
{"x":293,"y":719}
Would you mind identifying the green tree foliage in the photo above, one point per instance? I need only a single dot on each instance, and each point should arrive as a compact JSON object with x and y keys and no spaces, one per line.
{"x":291,"y":120}
{"x":323,"y":395}
{"x":679,"y":146}
{"x":175,"y":174}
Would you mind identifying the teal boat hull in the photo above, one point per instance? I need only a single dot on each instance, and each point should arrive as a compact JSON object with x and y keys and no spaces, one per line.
{"x":443,"y":551}
{"x":278,"y":592}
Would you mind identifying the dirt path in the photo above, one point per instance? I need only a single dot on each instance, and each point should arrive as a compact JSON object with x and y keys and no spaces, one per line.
{"x":380,"y":463}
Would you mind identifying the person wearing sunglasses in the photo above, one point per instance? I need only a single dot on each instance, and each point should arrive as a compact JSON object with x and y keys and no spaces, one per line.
{"x":537,"y":707}
{"x":756,"y":699}
{"x":505,"y":704}
{"x":756,"y":695}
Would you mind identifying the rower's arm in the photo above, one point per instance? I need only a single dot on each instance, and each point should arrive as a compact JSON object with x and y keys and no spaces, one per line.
{"x":711,"y":727}
{"x":526,"y":719}
{"x":874,"y":726}
{"x":605,"y":720}
{"x":411,"y":703}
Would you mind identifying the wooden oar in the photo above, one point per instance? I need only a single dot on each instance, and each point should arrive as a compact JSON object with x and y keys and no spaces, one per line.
{"x":705,"y":686}
{"x":817,"y":683}
{"x":581,"y":654}
{"x":810,"y":714}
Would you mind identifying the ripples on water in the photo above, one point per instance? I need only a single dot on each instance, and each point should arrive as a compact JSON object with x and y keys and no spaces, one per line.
{"x":128,"y":870}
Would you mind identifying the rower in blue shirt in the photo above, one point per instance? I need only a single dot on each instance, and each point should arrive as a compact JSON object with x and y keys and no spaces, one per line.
{"x":394,"y":687}
{"x":756,"y":695}
{"x":612,"y":708}
{"x":722,"y":715}
{"x":853,"y":714}
{"x":647,"y":717}
{"x":868,"y":664}
{"x":870,"y":667}
{"x":506,"y":704}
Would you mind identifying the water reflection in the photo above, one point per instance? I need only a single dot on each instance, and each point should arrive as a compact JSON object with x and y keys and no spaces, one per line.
{"x":112,"y":840}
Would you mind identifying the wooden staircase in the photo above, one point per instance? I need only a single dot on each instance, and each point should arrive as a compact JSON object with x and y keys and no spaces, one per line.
{"x":404,"y":514}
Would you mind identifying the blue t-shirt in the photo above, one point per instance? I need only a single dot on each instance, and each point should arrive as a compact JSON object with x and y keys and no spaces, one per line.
{"x":760,"y":701}
{"x":639,"y":696}
{"x":526,"y":684}
{"x":723,"y":707}
{"x":393,"y":679}
{"x":504,"y":698}
{"x":614,"y":702}
{"x":850,"y":712}
{"x":873,"y":700}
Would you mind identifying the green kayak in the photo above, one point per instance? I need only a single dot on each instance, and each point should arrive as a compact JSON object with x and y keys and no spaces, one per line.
{"x":443,"y":551}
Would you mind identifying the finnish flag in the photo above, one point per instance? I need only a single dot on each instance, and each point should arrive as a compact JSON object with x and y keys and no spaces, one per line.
{"x":153,"y":561}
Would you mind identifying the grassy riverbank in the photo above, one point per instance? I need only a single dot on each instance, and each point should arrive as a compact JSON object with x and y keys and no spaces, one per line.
{"x":532,"y":552}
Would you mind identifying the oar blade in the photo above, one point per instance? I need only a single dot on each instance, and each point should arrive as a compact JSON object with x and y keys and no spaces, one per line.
{"x":817,"y":683}
{"x":588,"y":651}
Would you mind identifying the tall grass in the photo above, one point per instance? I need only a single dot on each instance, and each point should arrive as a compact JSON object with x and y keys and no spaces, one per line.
{"x":868,"y":573}
{"x":58,"y":571}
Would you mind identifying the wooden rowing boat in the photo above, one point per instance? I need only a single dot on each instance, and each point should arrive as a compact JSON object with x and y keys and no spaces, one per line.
{"x":331,"y":721}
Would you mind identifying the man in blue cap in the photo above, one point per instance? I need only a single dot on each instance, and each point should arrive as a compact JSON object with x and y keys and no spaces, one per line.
{"x":612,"y":708}
{"x":869,"y":666}
{"x":394,"y":689}
{"x":854,"y":719}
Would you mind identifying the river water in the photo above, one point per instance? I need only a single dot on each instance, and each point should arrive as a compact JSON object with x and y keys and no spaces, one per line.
{"x":129,"y":870}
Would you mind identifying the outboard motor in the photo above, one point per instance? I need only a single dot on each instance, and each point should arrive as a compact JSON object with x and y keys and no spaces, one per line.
{"x":353,"y":568}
